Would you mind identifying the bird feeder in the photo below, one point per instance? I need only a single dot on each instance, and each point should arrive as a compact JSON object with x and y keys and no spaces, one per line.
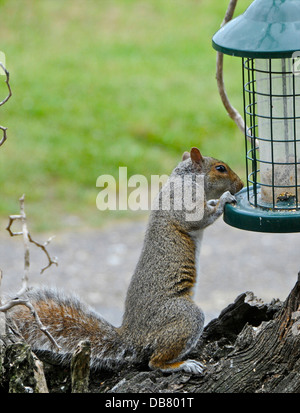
{"x":267,"y":38}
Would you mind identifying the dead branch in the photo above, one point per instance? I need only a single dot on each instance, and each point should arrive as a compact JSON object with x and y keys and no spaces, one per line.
{"x":7,"y":83}
{"x":80,"y":367}
{"x":4,"y":135}
{"x":43,"y":247}
{"x":232,"y":112}
{"x":19,"y":301}
{"x":26,"y":240}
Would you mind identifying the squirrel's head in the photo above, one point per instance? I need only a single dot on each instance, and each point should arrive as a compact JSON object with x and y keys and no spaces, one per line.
{"x":218,"y":176}
{"x":194,"y":180}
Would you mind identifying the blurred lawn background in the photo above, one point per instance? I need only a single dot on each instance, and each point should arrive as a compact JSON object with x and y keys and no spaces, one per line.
{"x":99,"y":84}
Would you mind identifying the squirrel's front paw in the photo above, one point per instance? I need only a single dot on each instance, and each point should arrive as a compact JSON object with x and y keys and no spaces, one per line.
{"x":227,"y":198}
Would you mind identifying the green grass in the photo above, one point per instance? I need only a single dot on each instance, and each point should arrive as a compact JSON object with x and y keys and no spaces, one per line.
{"x":106,"y":83}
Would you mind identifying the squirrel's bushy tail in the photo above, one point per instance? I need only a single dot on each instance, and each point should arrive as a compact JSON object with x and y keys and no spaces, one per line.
{"x":69,"y":321}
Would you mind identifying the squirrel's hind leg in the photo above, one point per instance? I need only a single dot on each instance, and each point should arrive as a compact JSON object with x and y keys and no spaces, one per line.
{"x":168,"y":354}
{"x":190,"y":366}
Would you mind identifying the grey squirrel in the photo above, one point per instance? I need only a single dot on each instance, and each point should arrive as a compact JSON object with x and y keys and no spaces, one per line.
{"x":161,"y":323}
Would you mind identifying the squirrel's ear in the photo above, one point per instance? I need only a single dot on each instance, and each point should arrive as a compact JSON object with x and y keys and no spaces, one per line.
{"x":196,"y":155}
{"x":185,"y":156}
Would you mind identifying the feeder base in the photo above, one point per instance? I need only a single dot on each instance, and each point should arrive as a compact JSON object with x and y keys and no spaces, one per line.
{"x":242,"y":215}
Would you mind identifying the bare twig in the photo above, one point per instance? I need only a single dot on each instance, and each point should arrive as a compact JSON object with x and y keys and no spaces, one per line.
{"x":4,"y":135}
{"x":26,"y":239}
{"x":26,"y":244}
{"x":7,"y":83}
{"x":43,"y":247}
{"x":19,"y":301}
{"x":232,"y":112}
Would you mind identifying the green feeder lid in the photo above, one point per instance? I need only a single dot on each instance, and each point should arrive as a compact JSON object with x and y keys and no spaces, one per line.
{"x":267,"y":29}
{"x":243,"y":215}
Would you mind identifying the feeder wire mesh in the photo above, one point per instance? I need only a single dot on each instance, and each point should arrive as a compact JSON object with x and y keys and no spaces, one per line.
{"x":271,"y":94}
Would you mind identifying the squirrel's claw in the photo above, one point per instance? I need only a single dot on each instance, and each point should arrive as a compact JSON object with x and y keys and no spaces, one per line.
{"x":193,"y":366}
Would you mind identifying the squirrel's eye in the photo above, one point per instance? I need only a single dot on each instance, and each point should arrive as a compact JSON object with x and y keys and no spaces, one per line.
{"x":221,"y":168}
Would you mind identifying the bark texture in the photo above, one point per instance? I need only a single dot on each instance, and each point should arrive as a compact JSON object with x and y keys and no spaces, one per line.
{"x":251,"y":347}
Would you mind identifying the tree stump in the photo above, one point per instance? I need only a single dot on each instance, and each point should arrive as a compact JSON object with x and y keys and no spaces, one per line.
{"x":251,"y":347}
{"x":24,"y":372}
